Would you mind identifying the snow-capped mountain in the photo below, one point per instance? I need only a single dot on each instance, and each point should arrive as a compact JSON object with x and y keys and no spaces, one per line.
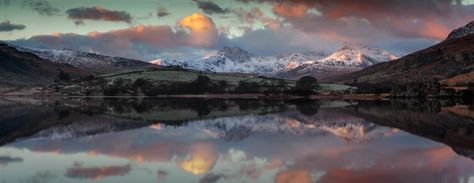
{"x":462,"y":31}
{"x":349,"y":58}
{"x":236,"y":59}
{"x":236,"y":128}
{"x":91,"y":62}
{"x":347,"y":128}
{"x":357,"y":55}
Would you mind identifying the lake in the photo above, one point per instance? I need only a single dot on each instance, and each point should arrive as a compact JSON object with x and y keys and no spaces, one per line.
{"x":58,"y":140}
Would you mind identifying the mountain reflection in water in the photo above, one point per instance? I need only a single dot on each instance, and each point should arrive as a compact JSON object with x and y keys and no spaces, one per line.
{"x":235,"y":140}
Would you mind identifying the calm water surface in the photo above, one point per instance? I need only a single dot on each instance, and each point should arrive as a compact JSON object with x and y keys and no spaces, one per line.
{"x":240,"y":140}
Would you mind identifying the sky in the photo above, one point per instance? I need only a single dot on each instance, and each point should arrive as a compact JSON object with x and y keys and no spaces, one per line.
{"x":188,"y":29}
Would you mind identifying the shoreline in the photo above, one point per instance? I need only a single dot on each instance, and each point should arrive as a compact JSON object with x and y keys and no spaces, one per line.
{"x":218,"y":96}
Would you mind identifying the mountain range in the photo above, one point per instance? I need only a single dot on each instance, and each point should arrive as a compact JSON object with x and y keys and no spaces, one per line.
{"x":348,"y":58}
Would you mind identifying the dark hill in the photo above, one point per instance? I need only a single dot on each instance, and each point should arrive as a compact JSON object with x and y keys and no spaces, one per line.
{"x":20,"y":68}
{"x":448,"y":59}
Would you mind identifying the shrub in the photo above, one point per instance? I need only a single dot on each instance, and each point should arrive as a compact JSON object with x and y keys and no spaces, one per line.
{"x":306,"y":86}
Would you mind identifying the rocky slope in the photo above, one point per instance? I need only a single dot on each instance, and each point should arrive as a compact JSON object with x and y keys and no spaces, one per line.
{"x":462,"y":31}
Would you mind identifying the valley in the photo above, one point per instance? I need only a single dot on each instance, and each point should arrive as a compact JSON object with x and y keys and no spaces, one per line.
{"x":353,"y":70}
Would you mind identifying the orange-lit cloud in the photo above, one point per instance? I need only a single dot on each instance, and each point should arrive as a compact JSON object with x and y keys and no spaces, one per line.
{"x":200,"y":160}
{"x":202,"y":28}
{"x":431,"y":19}
{"x":196,"y":30}
{"x":96,"y":173}
{"x":290,"y":10}
{"x":293,"y":176}
{"x":436,"y":164}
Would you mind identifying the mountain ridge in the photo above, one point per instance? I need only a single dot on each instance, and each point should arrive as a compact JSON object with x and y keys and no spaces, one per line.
{"x":349,"y":58}
{"x":95,"y":63}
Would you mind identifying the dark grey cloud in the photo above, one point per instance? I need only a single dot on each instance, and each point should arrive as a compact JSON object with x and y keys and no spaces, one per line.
{"x":79,"y":22}
{"x":43,"y":7}
{"x":211,"y":178}
{"x":7,"y":26}
{"x":41,"y":177}
{"x":162,"y":12}
{"x":210,"y":7}
{"x":98,"y":13}
{"x":5,"y":160}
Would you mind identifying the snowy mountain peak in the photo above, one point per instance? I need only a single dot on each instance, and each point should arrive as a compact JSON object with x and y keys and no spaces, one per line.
{"x":357,"y":55}
{"x":462,"y":31}
{"x":235,"y":54}
{"x":350,"y":57}
{"x":353,"y":46}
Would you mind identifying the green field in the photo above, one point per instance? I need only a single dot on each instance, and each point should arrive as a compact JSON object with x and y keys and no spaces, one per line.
{"x":334,"y":87}
{"x":188,"y":76}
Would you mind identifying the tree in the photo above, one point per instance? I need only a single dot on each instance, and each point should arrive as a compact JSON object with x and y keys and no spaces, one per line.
{"x":306,"y":86}
{"x":201,"y":84}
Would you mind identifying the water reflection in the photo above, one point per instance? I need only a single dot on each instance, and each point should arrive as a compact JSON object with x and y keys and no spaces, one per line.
{"x":240,"y":140}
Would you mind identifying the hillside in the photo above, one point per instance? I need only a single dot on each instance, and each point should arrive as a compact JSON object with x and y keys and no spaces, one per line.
{"x":20,"y":68}
{"x":94,"y":63}
{"x":448,"y":59}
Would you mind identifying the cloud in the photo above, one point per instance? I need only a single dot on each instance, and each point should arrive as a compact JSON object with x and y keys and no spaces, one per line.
{"x":432,"y":19}
{"x":138,"y":42}
{"x":201,"y":159}
{"x":202,"y":28}
{"x":211,"y":178}
{"x":98,"y":13}
{"x":42,"y":176}
{"x":290,"y":10}
{"x":7,"y":26}
{"x":5,"y":160}
{"x":256,"y":15}
{"x":79,"y":22}
{"x":162,"y":174}
{"x":96,"y":173}
{"x":43,"y":7}
{"x":210,"y":7}
{"x":162,"y":12}
{"x":293,"y":176}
